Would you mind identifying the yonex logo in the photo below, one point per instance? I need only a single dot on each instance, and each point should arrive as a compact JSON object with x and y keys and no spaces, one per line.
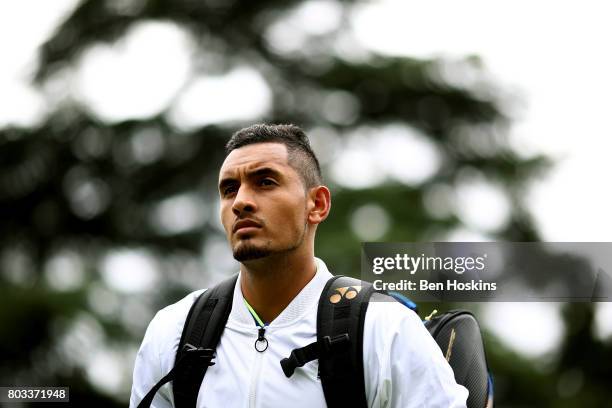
{"x":347,"y":292}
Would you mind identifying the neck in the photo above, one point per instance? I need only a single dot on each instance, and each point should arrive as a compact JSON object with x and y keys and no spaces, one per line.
{"x":271,"y":283}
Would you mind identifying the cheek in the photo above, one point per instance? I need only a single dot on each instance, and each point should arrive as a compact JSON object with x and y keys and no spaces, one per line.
{"x":226,"y":219}
{"x":297,"y":214}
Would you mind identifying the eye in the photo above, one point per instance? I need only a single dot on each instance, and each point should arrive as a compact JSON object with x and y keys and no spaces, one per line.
{"x":267,"y":182}
{"x":229,"y":190}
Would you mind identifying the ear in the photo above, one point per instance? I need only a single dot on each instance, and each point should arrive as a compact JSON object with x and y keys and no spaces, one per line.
{"x":319,"y":204}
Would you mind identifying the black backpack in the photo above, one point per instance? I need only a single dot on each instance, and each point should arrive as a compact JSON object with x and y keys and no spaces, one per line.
{"x":340,"y":320}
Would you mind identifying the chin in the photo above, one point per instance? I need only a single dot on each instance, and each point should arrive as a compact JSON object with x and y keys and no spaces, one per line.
{"x":246,"y":251}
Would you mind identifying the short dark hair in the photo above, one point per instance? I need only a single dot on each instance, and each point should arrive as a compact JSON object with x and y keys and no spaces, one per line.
{"x":300,"y":154}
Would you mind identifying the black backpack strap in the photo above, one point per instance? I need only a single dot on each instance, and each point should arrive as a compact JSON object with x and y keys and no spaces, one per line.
{"x":339,"y":346}
{"x":299,"y":357}
{"x":341,"y":314}
{"x":202,"y":331}
{"x":340,"y":319}
{"x":206,"y":355}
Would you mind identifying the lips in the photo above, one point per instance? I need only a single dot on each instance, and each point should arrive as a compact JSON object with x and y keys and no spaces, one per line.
{"x":245,"y":224}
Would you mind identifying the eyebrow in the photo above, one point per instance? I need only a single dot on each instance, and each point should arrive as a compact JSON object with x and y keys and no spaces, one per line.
{"x":262,"y":171}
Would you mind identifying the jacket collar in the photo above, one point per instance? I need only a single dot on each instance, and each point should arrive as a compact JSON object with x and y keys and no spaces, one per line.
{"x":301,"y":304}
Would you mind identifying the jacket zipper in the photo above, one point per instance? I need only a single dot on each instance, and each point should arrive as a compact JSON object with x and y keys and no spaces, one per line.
{"x":258,"y":364}
{"x":261,"y":345}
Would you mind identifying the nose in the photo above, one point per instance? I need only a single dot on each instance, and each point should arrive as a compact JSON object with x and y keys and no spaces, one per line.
{"x":243,"y":202}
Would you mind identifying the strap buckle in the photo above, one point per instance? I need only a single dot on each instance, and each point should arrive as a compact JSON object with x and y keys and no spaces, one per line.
{"x":206,"y":354}
{"x":336,"y":342}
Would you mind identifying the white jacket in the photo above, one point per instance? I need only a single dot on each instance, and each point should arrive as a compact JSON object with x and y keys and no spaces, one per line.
{"x":403,"y":365}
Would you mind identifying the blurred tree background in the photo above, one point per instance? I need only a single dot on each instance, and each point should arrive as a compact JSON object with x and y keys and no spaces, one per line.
{"x":107,"y":218}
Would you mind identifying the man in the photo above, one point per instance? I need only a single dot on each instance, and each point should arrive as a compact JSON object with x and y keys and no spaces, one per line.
{"x":272,"y":200}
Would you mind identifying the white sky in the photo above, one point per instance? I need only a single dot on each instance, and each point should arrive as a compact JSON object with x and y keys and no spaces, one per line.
{"x":23,"y":26}
{"x":556,"y":54}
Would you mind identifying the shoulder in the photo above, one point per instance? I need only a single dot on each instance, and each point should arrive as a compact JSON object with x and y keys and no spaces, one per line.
{"x":393,"y":328}
{"x":167,"y":324}
{"x":178,"y":310}
{"x":164,"y":332}
{"x":387,"y":315}
{"x":157,"y":352}
{"x":400,"y":354}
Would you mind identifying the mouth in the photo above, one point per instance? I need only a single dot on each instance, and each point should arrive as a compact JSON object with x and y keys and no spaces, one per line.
{"x":245,"y":226}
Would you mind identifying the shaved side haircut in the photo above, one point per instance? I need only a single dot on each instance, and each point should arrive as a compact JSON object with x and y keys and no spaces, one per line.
{"x":300,"y":154}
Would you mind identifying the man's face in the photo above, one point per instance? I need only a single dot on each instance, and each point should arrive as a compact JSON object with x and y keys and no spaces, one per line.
{"x":263,"y":202}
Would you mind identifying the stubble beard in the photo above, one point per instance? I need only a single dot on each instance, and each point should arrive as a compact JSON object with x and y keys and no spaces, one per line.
{"x":247,"y":251}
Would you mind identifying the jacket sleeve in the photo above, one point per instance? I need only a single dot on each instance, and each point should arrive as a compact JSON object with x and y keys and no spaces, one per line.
{"x":403,"y":365}
{"x":147,"y":368}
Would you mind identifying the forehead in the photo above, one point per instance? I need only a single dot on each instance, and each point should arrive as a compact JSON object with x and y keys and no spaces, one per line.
{"x":255,"y":155}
